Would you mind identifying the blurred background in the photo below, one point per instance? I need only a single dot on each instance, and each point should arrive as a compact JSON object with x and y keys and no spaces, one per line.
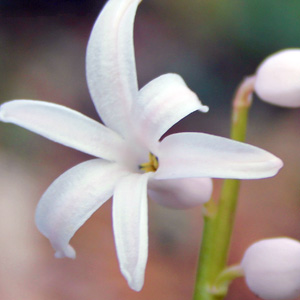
{"x":213,"y":44}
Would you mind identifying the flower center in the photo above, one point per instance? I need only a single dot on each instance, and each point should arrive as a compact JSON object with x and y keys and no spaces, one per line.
{"x":151,"y":165}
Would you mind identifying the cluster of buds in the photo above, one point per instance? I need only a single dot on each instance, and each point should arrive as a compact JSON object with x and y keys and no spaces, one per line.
{"x":272,"y":266}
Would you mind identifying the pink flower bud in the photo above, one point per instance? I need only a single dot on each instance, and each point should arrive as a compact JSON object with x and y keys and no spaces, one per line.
{"x":278,"y":78}
{"x":272,"y":268}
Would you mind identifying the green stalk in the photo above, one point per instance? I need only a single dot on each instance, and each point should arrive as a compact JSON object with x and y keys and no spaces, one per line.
{"x":225,"y":278}
{"x":204,"y":277}
{"x":218,"y":225}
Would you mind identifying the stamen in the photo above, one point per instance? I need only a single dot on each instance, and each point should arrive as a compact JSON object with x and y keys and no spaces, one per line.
{"x":150,"y":166}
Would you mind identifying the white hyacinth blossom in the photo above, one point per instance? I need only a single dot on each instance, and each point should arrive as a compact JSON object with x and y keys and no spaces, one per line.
{"x":131,"y":160}
{"x":278,"y":78}
{"x":272,"y":268}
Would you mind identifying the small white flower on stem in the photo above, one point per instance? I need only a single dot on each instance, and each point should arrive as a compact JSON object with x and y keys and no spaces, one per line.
{"x":131,"y":160}
{"x":278,"y":78}
{"x":272,"y":268}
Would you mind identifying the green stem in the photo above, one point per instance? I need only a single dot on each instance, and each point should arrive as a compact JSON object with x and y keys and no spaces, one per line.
{"x":224,"y":224}
{"x":204,"y":271}
{"x":219,"y":225}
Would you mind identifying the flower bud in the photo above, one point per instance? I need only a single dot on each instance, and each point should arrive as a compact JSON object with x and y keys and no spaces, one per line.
{"x":272,"y":268}
{"x":278,"y":78}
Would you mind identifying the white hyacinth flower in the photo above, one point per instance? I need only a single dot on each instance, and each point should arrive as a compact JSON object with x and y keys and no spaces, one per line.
{"x":272,"y":268}
{"x":278,"y":78}
{"x":130,"y":157}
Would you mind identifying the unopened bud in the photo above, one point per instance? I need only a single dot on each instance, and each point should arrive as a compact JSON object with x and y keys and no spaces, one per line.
{"x":272,"y":268}
{"x":278,"y":78}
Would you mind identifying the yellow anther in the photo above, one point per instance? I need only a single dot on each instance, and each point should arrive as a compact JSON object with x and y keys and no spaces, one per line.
{"x":151,"y":165}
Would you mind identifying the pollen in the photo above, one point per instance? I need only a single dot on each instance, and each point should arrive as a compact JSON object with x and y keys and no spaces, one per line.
{"x":151,"y":165}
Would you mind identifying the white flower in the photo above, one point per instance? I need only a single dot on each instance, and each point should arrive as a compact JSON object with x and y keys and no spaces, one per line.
{"x":278,"y":78}
{"x":135,"y":120}
{"x":272,"y":268}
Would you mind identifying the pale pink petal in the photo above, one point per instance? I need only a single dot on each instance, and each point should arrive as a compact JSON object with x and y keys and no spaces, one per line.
{"x":161,"y":103}
{"x":110,"y":63}
{"x":180,"y":193}
{"x":202,"y":155}
{"x":72,"y":198}
{"x":65,"y":126}
{"x":130,"y":223}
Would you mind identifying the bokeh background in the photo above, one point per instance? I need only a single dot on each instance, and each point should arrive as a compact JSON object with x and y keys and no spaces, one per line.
{"x":213,"y":44}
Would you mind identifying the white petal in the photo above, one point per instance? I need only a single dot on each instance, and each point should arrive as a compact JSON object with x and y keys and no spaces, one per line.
{"x":110,"y":63}
{"x":161,"y":103}
{"x":202,"y":155}
{"x":180,"y":193}
{"x":272,"y":268}
{"x":278,"y":78}
{"x":63,"y":125}
{"x":72,"y":198}
{"x":130,"y":223}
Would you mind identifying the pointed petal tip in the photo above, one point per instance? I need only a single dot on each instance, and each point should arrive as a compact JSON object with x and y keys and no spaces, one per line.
{"x":135,"y":285}
{"x":136,"y":288}
{"x":68,"y":252}
{"x":278,"y":164}
{"x":204,"y":108}
{"x":7,"y":108}
{"x":274,"y":164}
{"x":2,"y":113}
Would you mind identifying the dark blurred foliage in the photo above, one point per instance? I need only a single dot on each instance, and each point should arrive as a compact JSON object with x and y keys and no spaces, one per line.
{"x":49,"y":8}
{"x":233,"y":37}
{"x":219,"y":42}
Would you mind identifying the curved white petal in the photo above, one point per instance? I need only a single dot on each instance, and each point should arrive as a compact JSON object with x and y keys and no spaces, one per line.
{"x":161,"y":103}
{"x":180,"y":193}
{"x":130,"y":224}
{"x":72,"y":198}
{"x":203,"y":155}
{"x":63,"y":125}
{"x":110,"y":63}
